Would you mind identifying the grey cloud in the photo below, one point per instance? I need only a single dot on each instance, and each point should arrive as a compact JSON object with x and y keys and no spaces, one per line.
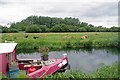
{"x":106,"y":9}
{"x":2,"y":2}
{"x":62,"y":8}
{"x":11,"y":2}
{"x":88,"y":11}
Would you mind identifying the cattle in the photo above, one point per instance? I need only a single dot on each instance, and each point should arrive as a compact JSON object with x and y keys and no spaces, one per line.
{"x":35,"y":37}
{"x":26,"y":36}
{"x":84,"y":37}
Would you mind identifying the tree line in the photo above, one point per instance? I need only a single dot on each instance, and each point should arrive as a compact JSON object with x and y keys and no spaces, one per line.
{"x":37,"y":24}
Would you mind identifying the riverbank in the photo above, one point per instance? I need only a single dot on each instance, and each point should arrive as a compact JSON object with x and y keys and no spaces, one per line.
{"x":59,"y":41}
{"x":103,"y":72}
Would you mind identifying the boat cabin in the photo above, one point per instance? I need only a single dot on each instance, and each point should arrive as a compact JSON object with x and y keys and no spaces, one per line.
{"x":7,"y":57}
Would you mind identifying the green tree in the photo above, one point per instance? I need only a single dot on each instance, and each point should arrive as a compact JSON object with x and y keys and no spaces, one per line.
{"x":13,"y":30}
{"x":20,"y":26}
{"x":54,"y":24}
{"x":43,"y":28}
{"x":71,"y":21}
{"x":33,"y":29}
{"x":5,"y":30}
{"x":114,"y":29}
{"x":83,"y":24}
{"x":1,"y":28}
{"x":82,"y":29}
{"x":59,"y":28}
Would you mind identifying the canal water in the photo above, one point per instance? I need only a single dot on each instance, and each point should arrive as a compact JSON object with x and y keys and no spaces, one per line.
{"x":85,"y":60}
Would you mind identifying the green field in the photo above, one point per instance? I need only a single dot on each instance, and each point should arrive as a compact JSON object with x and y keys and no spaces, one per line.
{"x":59,"y":41}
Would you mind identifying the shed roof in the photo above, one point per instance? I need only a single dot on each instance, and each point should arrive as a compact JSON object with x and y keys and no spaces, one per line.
{"x":7,"y":47}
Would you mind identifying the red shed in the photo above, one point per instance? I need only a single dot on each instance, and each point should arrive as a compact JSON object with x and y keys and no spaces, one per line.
{"x":7,"y":56}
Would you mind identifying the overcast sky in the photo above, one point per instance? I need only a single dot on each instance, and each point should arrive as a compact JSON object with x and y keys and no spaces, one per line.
{"x":99,"y":13}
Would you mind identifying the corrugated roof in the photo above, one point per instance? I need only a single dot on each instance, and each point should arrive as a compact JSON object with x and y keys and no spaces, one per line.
{"x":7,"y":47}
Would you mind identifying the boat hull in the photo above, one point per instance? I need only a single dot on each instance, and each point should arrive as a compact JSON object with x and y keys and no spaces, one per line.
{"x":24,"y":64}
{"x":49,"y":69}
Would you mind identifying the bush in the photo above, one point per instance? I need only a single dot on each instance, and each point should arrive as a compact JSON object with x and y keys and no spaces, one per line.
{"x":0,"y":30}
{"x":5,"y":30}
{"x":13,"y":30}
{"x":43,"y":28}
{"x":33,"y":29}
{"x":59,"y":28}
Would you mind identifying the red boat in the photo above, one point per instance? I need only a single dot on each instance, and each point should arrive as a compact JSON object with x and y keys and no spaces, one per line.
{"x":25,"y":64}
{"x":11,"y":66}
{"x":44,"y":68}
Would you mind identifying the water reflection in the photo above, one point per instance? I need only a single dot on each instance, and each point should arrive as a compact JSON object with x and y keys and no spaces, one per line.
{"x":84,"y":60}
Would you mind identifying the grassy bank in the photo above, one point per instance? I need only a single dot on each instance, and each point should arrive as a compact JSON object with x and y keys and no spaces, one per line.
{"x":58,"y":41}
{"x":102,"y":72}
{"x":2,"y":76}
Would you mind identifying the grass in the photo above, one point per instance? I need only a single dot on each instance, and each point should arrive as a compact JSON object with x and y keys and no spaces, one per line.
{"x":59,"y":41}
{"x":22,"y":75}
{"x":102,"y":72}
{"x":2,"y":76}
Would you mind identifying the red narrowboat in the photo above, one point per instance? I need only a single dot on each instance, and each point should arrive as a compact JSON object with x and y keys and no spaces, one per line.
{"x":10,"y":66}
{"x":44,"y":68}
{"x":51,"y":66}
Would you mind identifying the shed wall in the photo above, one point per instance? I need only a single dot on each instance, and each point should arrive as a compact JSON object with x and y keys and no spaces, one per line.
{"x":0,"y":62}
{"x":4,"y":63}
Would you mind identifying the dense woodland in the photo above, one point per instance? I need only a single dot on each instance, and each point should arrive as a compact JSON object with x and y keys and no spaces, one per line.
{"x":37,"y":24}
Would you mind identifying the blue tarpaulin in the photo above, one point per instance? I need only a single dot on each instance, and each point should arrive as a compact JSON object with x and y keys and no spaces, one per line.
{"x":13,"y":73}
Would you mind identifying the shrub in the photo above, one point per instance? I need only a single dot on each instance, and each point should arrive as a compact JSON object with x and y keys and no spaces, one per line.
{"x":33,"y":29}
{"x":13,"y":30}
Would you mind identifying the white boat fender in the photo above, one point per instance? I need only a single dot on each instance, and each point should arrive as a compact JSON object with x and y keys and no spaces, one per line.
{"x":65,"y":54}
